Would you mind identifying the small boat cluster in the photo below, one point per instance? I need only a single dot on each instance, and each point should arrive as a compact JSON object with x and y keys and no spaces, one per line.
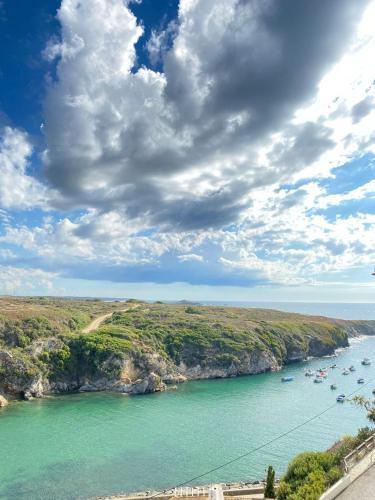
{"x":322,"y":373}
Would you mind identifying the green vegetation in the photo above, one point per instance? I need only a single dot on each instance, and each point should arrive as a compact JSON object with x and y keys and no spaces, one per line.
{"x":43,"y":338}
{"x":217,"y":336}
{"x":368,"y":405}
{"x":40,"y":338}
{"x":311,"y":473}
{"x":269,"y":491}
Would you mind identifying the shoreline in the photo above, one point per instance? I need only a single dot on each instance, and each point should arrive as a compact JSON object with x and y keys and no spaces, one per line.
{"x":128,"y":489}
{"x":11,"y":398}
{"x":237,"y":488}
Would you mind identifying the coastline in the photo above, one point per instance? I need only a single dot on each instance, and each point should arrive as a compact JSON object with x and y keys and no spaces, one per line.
{"x":236,"y":489}
{"x":137,"y":438}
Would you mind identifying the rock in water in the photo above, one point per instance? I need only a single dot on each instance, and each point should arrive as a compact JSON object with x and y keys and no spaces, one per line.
{"x":3,"y":401}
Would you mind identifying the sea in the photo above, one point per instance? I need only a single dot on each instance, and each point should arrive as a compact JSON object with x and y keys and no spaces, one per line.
{"x":80,"y":446}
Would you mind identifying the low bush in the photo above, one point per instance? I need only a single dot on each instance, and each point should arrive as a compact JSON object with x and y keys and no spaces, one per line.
{"x":311,"y":473}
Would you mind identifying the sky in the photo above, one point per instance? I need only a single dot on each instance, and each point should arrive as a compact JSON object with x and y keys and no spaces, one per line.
{"x":188,"y":149}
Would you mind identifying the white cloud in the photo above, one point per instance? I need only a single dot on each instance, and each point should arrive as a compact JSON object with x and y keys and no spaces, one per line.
{"x":193,"y":162}
{"x":188,"y":147}
{"x":17,"y":188}
{"x":105,"y":239}
{"x":22,"y":281}
{"x":191,"y":257}
{"x":160,"y":41}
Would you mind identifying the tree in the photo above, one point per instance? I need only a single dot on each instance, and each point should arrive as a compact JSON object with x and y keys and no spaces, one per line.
{"x":269,"y":491}
{"x":368,"y":405}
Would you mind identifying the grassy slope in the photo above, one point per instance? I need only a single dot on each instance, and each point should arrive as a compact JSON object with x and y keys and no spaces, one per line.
{"x":44,"y":336}
{"x":193,"y":333}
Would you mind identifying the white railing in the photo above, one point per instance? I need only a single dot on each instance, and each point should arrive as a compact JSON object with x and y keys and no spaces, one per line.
{"x":190,"y":492}
{"x":358,"y":453}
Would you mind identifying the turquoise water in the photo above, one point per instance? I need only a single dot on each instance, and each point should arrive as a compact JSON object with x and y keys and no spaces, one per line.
{"x":79,"y":446}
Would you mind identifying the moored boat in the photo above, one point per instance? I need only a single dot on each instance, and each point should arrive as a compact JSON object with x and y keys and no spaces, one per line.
{"x":352,"y":368}
{"x":345,"y":371}
{"x":341,"y":398}
{"x":361,"y":381}
{"x":287,"y":379}
{"x":366,"y":362}
{"x":333,"y":387}
{"x":309,"y":373}
{"x":318,"y":380}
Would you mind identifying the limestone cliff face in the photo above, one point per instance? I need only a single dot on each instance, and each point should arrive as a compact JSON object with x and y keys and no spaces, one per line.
{"x":20,"y":377}
{"x":48,"y":366}
{"x":246,"y":364}
{"x":357,"y":328}
{"x":145,"y":372}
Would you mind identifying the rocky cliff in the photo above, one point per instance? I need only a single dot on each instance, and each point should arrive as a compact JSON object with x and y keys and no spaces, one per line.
{"x":150,"y":347}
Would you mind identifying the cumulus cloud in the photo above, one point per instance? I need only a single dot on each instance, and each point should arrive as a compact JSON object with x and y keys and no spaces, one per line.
{"x":21,"y":280}
{"x":183,"y":147}
{"x":285,"y":238}
{"x":160,"y":41}
{"x":208,"y":170}
{"x":17,"y":188}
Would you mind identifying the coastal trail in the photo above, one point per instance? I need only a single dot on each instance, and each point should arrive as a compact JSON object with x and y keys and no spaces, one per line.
{"x":95,"y":323}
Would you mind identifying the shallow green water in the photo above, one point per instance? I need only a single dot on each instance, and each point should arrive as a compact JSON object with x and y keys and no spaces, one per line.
{"x":79,"y":446}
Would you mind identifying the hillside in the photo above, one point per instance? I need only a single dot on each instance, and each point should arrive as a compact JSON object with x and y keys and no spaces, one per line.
{"x":142,"y":347}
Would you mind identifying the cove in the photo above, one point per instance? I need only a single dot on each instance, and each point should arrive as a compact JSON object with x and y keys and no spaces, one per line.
{"x":83,"y":445}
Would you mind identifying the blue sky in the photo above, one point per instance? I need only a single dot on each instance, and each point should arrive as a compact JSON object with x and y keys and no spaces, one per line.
{"x":197,"y":149}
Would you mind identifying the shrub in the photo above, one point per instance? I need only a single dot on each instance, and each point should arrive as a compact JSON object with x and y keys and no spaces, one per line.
{"x":309,"y":475}
{"x":193,"y":310}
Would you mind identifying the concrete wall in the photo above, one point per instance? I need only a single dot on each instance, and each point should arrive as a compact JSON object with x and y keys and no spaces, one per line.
{"x":352,"y":475}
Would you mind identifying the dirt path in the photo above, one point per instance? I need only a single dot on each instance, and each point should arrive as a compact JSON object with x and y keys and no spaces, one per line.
{"x":95,"y":323}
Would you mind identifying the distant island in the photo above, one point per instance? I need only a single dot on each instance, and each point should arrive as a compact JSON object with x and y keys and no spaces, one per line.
{"x":50,"y":345}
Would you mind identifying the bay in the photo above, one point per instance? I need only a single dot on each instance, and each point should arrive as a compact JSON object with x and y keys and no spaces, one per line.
{"x":82,"y":445}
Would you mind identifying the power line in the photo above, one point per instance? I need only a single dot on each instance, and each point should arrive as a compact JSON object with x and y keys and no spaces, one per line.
{"x":257,"y":448}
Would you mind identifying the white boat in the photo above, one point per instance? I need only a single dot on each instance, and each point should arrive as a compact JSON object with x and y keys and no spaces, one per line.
{"x":361,"y":381}
{"x":345,"y":371}
{"x":309,"y":373}
{"x":366,"y":362}
{"x":352,"y":368}
{"x":341,"y":398}
{"x":318,"y":380}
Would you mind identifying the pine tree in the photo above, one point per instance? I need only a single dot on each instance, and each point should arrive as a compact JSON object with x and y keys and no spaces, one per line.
{"x":269,"y":491}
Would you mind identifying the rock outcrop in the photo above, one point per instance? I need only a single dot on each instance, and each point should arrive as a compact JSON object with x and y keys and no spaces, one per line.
{"x":3,"y":401}
{"x":144,"y":351}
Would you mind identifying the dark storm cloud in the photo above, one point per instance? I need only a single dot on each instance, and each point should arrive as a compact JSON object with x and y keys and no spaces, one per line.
{"x":241,"y":80}
{"x":302,"y":146}
{"x":269,"y":59}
